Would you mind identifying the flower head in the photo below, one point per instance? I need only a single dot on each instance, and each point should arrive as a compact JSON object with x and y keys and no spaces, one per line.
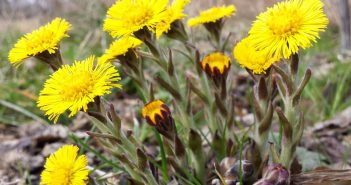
{"x":216,"y":64}
{"x":212,"y":15}
{"x":73,"y":87}
{"x":173,"y":13}
{"x":155,"y":112}
{"x":249,"y":57}
{"x":158,"y":115}
{"x":288,"y":26}
{"x":120,"y":47}
{"x":65,"y":167}
{"x":128,"y":16}
{"x":44,"y":39}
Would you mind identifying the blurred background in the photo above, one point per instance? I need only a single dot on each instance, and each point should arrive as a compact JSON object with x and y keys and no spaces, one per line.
{"x":24,"y":137}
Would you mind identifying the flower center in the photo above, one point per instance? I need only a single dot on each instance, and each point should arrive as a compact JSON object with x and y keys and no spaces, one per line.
{"x":285,"y":22}
{"x":140,"y":16}
{"x":81,"y":85}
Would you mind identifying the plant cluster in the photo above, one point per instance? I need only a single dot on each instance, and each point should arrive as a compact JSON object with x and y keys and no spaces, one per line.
{"x":199,"y":138}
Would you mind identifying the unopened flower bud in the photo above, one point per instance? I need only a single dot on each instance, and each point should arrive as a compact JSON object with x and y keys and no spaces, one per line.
{"x":216,"y":64}
{"x":158,"y":114}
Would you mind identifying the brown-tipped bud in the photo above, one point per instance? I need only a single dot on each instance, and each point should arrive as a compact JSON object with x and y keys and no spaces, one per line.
{"x":262,"y":89}
{"x":158,"y":114}
{"x":277,"y":174}
{"x":195,"y":141}
{"x":216,"y":65}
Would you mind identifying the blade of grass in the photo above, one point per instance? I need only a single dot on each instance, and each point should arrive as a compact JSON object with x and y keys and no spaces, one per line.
{"x":22,"y":110}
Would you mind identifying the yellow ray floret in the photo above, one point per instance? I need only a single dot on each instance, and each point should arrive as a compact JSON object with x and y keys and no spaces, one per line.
{"x":128,"y":16}
{"x":212,"y":15}
{"x":46,"y":38}
{"x":248,"y":57}
{"x":173,"y":13}
{"x":216,"y":61}
{"x":65,"y":167}
{"x":120,"y":47}
{"x":73,"y":87}
{"x":288,"y":26}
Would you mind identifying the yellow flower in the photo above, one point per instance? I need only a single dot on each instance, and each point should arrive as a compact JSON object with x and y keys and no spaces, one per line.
{"x":65,"y":167}
{"x":173,"y":13}
{"x":216,"y":64}
{"x":288,"y":26}
{"x":44,"y":39}
{"x":128,"y":16}
{"x":73,"y":87}
{"x":247,"y":56}
{"x":212,"y":15}
{"x":119,"y":47}
{"x":155,"y":112}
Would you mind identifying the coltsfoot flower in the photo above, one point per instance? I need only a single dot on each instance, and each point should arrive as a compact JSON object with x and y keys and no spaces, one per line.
{"x":158,"y":114}
{"x":172,"y":14}
{"x":128,"y":16}
{"x":120,"y":47}
{"x":249,"y":57}
{"x":65,"y":167}
{"x":212,"y":15}
{"x":43,"y":41}
{"x":288,"y":26}
{"x":72,"y":87}
{"x":216,"y":64}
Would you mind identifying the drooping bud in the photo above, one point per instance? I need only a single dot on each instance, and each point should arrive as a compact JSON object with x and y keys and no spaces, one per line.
{"x":158,"y":114}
